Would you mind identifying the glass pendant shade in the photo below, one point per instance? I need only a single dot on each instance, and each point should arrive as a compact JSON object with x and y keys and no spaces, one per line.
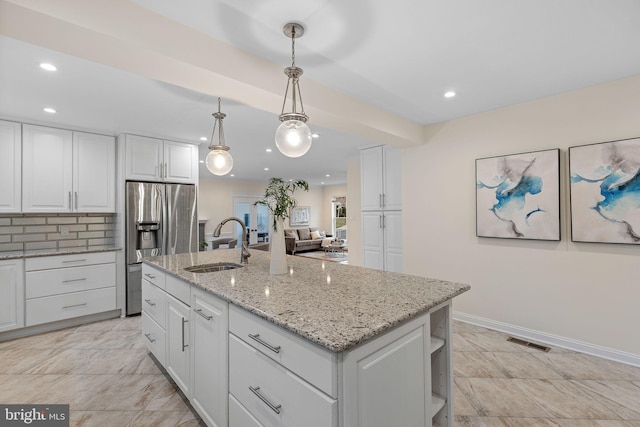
{"x":219,"y":162}
{"x":293,"y":138}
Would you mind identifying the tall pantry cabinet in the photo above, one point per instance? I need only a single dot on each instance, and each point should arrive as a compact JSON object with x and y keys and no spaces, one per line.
{"x":10,"y":167}
{"x":381,"y":180}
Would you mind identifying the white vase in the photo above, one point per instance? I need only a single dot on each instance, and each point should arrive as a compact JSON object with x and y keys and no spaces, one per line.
{"x":278,"y":263}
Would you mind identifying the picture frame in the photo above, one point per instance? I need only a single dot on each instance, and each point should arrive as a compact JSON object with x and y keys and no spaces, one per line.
{"x":300,"y":216}
{"x":518,"y":196}
{"x":604,"y":192}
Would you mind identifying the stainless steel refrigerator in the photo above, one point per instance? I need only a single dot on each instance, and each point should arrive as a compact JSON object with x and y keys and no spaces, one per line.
{"x":161,"y":219}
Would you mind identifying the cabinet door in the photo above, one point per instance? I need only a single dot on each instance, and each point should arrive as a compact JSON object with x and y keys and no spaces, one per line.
{"x":94,"y":172}
{"x":10,"y":166}
{"x":371,"y":175}
{"x":209,"y":378}
{"x":143,"y":158}
{"x":392,"y":191}
{"x":180,"y":162}
{"x":373,"y":240}
{"x":11,"y":294}
{"x":47,"y":169}
{"x":178,"y":351}
{"x":392,"y":223}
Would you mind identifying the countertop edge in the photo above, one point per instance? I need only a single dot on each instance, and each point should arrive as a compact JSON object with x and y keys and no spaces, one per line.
{"x":56,"y":252}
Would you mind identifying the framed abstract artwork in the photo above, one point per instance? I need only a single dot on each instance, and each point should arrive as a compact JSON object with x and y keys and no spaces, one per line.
{"x":300,"y":216}
{"x":518,"y":196}
{"x":605,"y":192}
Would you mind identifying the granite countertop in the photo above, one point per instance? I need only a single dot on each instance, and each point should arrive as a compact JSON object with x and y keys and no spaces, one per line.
{"x":53,"y":252}
{"x":333,"y":305}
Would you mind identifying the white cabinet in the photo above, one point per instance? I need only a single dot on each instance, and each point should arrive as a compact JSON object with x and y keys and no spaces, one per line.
{"x":151,"y":159}
{"x":154,"y":312}
{"x":441,"y":366}
{"x":65,"y":171}
{"x":209,"y":378}
{"x":10,"y":167}
{"x":178,"y":362}
{"x":381,"y":174}
{"x":382,"y":240}
{"x":11,"y":294}
{"x":65,"y":286}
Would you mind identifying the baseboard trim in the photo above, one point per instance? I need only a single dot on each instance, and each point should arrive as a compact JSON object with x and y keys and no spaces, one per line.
{"x":549,"y":339}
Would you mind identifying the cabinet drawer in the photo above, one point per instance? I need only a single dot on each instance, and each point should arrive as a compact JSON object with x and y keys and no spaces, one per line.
{"x":274,"y":395}
{"x":66,"y":306}
{"x":75,"y":260}
{"x":239,"y":416}
{"x":154,"y":302}
{"x":155,"y":276}
{"x":310,"y":361}
{"x":154,"y":337}
{"x":44,"y":283}
{"x":179,"y":289}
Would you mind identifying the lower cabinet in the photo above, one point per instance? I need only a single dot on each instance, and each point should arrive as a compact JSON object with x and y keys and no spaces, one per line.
{"x":11,"y":294}
{"x":178,"y":350}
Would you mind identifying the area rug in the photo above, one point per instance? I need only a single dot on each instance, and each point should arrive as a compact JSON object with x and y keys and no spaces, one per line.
{"x":342,"y":258}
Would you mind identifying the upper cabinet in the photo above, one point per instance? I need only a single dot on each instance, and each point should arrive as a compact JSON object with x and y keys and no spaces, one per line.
{"x":10,"y":166}
{"x":65,"y":171}
{"x":150,"y":159}
{"x":381,"y":169}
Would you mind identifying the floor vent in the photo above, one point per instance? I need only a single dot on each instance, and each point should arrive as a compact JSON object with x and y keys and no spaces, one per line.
{"x":529,"y":344}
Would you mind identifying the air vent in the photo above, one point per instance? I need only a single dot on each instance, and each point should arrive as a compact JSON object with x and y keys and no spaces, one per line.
{"x":529,"y":344}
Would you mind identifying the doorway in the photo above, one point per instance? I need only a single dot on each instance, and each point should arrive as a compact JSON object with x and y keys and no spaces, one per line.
{"x":255,"y":217}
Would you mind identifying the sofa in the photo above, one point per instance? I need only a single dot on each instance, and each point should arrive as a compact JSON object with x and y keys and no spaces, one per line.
{"x":301,"y":239}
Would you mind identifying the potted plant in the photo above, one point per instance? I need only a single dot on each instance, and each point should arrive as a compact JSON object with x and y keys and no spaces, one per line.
{"x":278,"y":198}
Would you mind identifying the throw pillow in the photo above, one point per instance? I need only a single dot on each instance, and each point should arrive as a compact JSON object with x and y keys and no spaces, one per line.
{"x":304,"y":234}
{"x":323,"y":235}
{"x":315,"y":234}
{"x":291,"y":233}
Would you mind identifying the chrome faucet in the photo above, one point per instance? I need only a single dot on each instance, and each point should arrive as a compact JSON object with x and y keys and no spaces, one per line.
{"x":244,"y":251}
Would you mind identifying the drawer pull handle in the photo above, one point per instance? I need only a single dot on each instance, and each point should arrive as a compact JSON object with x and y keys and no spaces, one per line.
{"x":148,"y":301}
{"x":74,"y":305}
{"x":199,"y":311}
{"x":274,"y":408}
{"x":257,"y":338}
{"x":183,"y":344}
{"x":74,"y":280}
{"x":150,"y":276}
{"x":149,"y":338}
{"x":74,"y":260}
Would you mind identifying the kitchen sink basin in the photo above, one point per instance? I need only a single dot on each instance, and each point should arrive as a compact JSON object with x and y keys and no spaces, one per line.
{"x":211,"y":268}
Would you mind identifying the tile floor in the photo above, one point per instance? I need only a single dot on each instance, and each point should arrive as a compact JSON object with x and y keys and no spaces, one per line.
{"x":103,"y":371}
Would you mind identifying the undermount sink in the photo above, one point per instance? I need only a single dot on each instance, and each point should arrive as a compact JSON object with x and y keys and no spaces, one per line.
{"x":211,"y":268}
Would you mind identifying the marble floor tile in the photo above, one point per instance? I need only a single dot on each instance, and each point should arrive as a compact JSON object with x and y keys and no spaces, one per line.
{"x":165,"y":419}
{"x":465,"y":421}
{"x":461,"y":405}
{"x":460,"y":343}
{"x":468,"y":364}
{"x":575,"y":366}
{"x":623,"y":397}
{"x":521,"y":365}
{"x":494,"y":397}
{"x":102,"y":418}
{"x":459,"y":326}
{"x":20,"y":389}
{"x":590,"y":423}
{"x":492,"y":341}
{"x":17,"y":361}
{"x":562,"y":399}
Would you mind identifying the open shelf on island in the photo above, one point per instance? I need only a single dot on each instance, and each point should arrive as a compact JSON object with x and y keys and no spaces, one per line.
{"x":436,"y":343}
{"x":437,"y":403}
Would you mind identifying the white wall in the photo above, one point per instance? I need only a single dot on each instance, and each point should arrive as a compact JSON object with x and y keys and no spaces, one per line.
{"x":584,"y":292}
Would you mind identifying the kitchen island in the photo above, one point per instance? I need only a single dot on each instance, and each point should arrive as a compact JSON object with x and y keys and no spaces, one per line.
{"x":324,"y":345}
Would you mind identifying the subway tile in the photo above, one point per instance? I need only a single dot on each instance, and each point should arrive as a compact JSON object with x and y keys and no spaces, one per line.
{"x":91,"y":220}
{"x":77,"y":227}
{"x":40,"y":245}
{"x":4,"y":247}
{"x":5,"y":238}
{"x":62,"y":220}
{"x":91,"y":235}
{"x":29,"y":237}
{"x":72,"y":243}
{"x":58,"y":236}
{"x":100,"y":227}
{"x":40,"y":229}
{"x":11,"y":230}
{"x":110,"y":219}
{"x":29,"y":220}
{"x":5,"y":221}
{"x":99,"y":242}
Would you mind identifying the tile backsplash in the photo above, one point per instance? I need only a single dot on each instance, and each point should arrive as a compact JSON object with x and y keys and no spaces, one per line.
{"x":54,"y":231}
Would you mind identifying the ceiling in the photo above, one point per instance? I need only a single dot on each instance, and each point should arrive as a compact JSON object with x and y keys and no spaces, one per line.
{"x":393,"y":60}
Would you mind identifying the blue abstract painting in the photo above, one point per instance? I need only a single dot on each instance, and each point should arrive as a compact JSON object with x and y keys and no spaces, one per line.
{"x":605,"y":192}
{"x":518,"y":196}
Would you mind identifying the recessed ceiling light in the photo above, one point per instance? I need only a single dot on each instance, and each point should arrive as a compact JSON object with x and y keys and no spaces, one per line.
{"x":201,"y":161}
{"x":322,"y":183}
{"x":268,"y":150}
{"x":203,"y":138}
{"x":232,"y":174}
{"x":450,"y":94}
{"x":315,"y":135}
{"x":49,"y":110}
{"x":47,"y":66}
{"x":266,"y":169}
{"x":327,"y":175}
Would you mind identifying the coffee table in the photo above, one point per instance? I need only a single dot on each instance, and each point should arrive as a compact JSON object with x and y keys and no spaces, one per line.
{"x":335,"y":249}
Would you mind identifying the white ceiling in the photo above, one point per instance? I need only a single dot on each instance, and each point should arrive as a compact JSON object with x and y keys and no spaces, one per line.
{"x":398,"y":56}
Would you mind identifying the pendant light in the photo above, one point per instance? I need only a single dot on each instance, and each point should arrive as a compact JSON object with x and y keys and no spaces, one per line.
{"x":293,"y":136}
{"x":219,"y":160}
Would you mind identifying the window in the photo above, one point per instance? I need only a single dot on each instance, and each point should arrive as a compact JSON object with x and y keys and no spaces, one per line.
{"x":339,"y":217}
